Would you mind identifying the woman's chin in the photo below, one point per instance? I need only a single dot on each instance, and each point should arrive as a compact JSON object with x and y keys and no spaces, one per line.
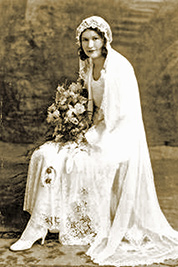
{"x":93,"y":55}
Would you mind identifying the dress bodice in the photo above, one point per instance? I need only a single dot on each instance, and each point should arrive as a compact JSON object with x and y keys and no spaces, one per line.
{"x":98,"y":90}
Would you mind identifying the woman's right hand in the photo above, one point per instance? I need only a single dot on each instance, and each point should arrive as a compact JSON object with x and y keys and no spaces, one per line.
{"x":94,"y":134}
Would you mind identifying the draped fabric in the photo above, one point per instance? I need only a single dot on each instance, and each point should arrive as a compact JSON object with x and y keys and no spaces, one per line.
{"x":77,"y":203}
{"x":139,"y":233}
{"x":103,"y":193}
{"x":120,"y":106}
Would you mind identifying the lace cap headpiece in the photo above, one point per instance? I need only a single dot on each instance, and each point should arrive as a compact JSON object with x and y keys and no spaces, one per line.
{"x":94,"y":22}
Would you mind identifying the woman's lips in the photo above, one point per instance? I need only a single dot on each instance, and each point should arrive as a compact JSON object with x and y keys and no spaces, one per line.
{"x":90,"y":51}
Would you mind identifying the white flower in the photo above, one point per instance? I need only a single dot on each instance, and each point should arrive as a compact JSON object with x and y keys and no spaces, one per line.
{"x":69,"y":113}
{"x":72,"y":94}
{"x":52,"y":115}
{"x":60,"y":89}
{"x":62,"y":100}
{"x":74,"y":120}
{"x":75,"y":87}
{"x":79,"y":109}
{"x":56,"y":114}
{"x":52,"y":108}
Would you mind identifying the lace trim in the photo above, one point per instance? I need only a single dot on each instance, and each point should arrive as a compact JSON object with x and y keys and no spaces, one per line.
{"x":79,"y":226}
{"x":94,"y":22}
{"x":137,"y":248}
{"x":122,"y":263}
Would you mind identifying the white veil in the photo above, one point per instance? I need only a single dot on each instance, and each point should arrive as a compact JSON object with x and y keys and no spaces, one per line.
{"x":140,"y":233}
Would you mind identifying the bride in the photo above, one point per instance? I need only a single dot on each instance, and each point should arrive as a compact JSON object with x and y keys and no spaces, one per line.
{"x":102,"y":194}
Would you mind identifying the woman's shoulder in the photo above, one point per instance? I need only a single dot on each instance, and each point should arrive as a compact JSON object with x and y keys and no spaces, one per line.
{"x":119,"y":60}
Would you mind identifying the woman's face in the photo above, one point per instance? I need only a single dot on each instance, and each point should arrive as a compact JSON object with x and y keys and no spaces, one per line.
{"x":92,"y":44}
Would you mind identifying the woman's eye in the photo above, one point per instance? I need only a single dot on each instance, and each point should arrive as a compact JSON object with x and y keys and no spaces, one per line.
{"x":95,"y":38}
{"x":84,"y":40}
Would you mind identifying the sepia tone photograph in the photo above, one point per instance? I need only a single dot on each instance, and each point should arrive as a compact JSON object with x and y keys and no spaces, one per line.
{"x":88,"y":133}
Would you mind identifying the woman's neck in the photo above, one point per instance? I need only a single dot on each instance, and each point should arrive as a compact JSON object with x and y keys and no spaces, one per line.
{"x":98,"y":64}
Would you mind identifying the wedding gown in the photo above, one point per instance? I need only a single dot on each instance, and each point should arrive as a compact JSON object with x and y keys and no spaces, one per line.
{"x":94,"y":198}
{"x":75,"y":203}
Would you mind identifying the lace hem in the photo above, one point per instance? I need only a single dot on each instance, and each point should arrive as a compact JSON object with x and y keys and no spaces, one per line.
{"x":133,"y":263}
{"x":131,"y":254}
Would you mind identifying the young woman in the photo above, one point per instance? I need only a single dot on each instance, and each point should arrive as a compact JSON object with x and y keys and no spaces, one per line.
{"x":103,"y":195}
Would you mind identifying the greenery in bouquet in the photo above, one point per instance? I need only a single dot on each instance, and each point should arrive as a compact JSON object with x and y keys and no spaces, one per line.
{"x":68,"y":114}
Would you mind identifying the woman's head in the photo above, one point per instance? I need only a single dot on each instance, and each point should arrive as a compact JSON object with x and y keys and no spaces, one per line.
{"x":93,"y":36}
{"x":92,"y":44}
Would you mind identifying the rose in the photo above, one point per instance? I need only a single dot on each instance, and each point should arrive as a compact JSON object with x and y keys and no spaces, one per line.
{"x":75,"y":87}
{"x":79,"y":109}
{"x":66,"y":94}
{"x":69,"y":114}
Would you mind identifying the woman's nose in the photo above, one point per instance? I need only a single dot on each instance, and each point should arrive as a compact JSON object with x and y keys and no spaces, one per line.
{"x":90,"y":43}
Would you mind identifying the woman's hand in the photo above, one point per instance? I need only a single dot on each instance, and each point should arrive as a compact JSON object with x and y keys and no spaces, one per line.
{"x":94,"y":134}
{"x":98,"y":117}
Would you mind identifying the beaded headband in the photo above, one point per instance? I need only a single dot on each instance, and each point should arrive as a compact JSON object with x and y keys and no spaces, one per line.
{"x":94,"y":22}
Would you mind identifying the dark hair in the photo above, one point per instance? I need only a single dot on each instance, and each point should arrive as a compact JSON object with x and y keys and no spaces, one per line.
{"x":104,"y":50}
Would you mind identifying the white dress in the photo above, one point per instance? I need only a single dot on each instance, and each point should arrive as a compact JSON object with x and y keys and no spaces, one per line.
{"x":103,"y":194}
{"x":77,"y":204}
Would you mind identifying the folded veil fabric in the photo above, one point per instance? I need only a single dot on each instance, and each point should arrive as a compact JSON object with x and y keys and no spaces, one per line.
{"x":139,"y":233}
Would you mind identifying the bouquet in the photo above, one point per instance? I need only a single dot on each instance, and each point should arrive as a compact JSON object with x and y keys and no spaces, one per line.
{"x":68,"y":114}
